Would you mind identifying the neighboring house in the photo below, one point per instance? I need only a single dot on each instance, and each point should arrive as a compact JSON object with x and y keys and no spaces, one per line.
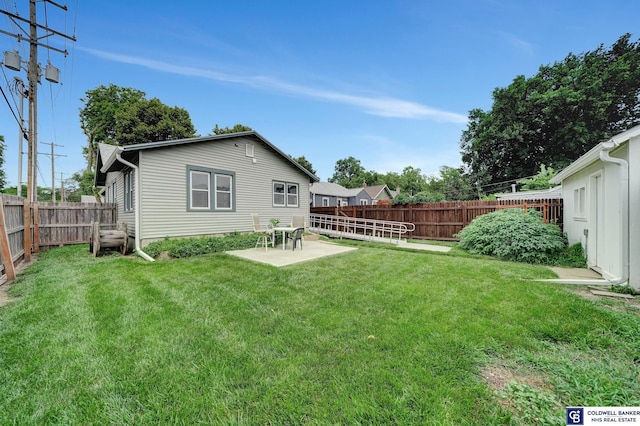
{"x":601,"y":192}
{"x":327,"y":194}
{"x":378,"y":193}
{"x":538,"y":194}
{"x":201,"y":186}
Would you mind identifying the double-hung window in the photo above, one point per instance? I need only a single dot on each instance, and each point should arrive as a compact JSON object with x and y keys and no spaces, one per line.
{"x":224,"y":196}
{"x":128,"y":191}
{"x":210,"y":189}
{"x":285,"y":194}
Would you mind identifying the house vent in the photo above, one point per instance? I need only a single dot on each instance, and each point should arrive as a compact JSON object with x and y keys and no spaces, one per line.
{"x":249,"y":150}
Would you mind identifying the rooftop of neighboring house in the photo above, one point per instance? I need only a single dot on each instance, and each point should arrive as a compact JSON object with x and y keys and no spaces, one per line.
{"x":333,"y":189}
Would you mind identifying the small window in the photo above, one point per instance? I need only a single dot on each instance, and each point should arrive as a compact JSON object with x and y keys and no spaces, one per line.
{"x":278,"y":194}
{"x":128,"y":191}
{"x":223,"y":192}
{"x":200,"y":195}
{"x":292,"y":195}
{"x":579,"y":202}
{"x":363,"y":202}
{"x":325,"y":201}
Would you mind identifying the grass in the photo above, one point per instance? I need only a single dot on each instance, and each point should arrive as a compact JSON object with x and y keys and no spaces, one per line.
{"x":374,"y":336}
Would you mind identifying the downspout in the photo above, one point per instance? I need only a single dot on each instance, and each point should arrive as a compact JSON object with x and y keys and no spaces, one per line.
{"x":624,"y":220}
{"x":624,"y":207}
{"x":137,"y":207}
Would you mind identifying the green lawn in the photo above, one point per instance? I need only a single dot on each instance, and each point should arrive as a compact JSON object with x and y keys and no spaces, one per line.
{"x":374,"y":336}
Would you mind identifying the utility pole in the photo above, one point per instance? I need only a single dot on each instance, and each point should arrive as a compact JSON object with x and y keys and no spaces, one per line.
{"x":12,"y":61}
{"x":53,"y":172}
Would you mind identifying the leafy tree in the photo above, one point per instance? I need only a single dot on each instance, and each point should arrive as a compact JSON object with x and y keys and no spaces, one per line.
{"x":235,"y":129}
{"x":412,"y":181}
{"x":539,"y":181}
{"x":349,"y":173}
{"x":305,"y":163}
{"x":3,"y":176}
{"x":152,"y":121}
{"x":453,"y":184}
{"x":98,"y":116}
{"x":555,"y":116}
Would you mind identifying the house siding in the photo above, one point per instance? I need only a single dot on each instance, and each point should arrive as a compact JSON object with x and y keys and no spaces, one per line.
{"x":164,"y":188}
{"x":127,"y":217}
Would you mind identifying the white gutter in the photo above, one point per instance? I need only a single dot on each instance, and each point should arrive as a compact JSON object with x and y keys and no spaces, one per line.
{"x":606,"y":147}
{"x":137,"y":206}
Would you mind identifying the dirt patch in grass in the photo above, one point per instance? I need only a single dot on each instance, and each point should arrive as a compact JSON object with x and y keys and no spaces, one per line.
{"x":4,"y":295}
{"x":615,"y":303}
{"x":498,"y":376}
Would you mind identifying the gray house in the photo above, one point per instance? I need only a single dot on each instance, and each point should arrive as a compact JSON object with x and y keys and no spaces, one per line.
{"x":201,"y":186}
{"x":327,"y":194}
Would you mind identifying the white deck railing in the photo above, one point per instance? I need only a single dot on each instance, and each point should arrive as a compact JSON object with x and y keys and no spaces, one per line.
{"x":359,"y":229}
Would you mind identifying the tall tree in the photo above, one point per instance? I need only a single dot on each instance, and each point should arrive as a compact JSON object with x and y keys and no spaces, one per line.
{"x":305,"y":163}
{"x":555,"y":116}
{"x":98,"y":116}
{"x":152,"y":121}
{"x":349,"y":173}
{"x":235,"y":129}
{"x":412,"y":181}
{"x":453,"y":184}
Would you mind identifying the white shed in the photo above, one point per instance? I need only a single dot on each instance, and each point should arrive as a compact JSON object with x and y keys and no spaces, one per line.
{"x":601,"y":193}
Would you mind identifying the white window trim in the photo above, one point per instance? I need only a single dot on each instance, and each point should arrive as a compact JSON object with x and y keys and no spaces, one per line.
{"x":285,"y":194}
{"x":212,"y":189}
{"x":230,"y":192}
{"x":192,"y":190}
{"x":128,"y":191}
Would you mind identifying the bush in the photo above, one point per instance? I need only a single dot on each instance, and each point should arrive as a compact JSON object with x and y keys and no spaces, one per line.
{"x":513,"y":235}
{"x":186,"y":247}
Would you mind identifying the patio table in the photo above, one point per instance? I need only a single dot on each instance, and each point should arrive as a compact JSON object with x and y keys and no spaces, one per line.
{"x":285,"y":230}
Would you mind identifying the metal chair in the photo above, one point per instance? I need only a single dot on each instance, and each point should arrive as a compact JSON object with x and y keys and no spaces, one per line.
{"x":296,"y":236}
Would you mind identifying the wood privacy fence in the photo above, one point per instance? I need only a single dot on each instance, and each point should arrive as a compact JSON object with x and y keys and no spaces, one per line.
{"x":49,"y":224}
{"x":441,"y":221}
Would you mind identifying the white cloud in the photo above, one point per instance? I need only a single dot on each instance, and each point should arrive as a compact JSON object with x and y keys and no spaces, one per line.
{"x":375,"y":105}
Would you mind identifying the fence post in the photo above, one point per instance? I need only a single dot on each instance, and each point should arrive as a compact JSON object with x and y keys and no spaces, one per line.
{"x":36,"y":227}
{"x":27,"y":230}
{"x":7,"y":258}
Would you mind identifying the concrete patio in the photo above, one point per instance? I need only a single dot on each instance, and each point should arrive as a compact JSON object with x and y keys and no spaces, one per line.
{"x":275,"y":256}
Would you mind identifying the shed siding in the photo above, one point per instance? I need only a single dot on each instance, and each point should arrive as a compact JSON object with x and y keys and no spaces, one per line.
{"x":126,"y":217}
{"x":164,"y":188}
{"x":602,"y":224}
{"x":634,"y":211}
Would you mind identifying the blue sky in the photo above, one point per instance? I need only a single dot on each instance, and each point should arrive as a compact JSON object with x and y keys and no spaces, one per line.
{"x":387,"y":82}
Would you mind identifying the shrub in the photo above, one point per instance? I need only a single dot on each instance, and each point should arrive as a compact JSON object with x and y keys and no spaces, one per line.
{"x":194,"y":246}
{"x":513,"y":235}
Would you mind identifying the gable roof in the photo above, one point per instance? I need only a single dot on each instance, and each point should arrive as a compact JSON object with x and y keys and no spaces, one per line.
{"x":333,"y":189}
{"x":107,"y":153}
{"x":375,"y":190}
{"x":593,"y":154}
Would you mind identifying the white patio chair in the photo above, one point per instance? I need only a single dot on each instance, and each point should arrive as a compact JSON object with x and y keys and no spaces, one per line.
{"x":266,"y":234}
